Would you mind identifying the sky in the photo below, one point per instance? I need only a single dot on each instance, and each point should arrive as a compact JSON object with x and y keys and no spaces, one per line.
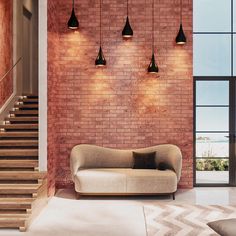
{"x":213,"y":26}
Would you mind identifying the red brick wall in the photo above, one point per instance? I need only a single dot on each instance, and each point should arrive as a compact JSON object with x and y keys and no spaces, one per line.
{"x":53,"y":78}
{"x":121,"y":106}
{"x":6,"y":33}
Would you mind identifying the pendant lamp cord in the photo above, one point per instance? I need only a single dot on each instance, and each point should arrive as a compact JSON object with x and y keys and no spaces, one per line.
{"x":127,"y":7}
{"x":73,"y":4}
{"x":181,"y":9}
{"x":153,"y":26}
{"x":100,"y":22}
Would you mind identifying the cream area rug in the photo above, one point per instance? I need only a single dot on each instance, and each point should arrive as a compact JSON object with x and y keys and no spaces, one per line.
{"x":182,"y":220}
{"x":66,"y":217}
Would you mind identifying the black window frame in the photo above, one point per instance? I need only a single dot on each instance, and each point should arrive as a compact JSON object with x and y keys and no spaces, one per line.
{"x":232,"y":131}
{"x":232,"y":116}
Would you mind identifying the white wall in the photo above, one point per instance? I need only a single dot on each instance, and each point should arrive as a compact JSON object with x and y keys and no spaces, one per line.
{"x":18,"y":44}
{"x":42,"y":85}
{"x":17,"y":53}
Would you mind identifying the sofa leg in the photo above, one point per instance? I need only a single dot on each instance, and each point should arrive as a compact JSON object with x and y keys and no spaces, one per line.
{"x":173,"y":195}
{"x":77,"y":196}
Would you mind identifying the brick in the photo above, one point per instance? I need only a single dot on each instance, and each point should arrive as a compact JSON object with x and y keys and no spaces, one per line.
{"x":6,"y":49}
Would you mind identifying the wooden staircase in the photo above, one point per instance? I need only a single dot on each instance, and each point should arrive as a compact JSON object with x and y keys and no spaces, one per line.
{"x":22,"y":187}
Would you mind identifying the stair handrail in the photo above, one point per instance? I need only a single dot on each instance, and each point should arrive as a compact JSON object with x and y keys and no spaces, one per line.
{"x":5,"y":75}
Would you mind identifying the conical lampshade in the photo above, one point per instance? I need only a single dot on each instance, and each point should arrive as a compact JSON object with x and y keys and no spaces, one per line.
{"x":127,"y":31}
{"x":180,"y":38}
{"x":73,"y":23}
{"x":153,"y":68}
{"x":100,"y":60}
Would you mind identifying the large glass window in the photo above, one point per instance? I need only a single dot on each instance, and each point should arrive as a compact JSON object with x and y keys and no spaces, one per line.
{"x":207,"y":93}
{"x":234,"y":55}
{"x":212,"y":16}
{"x":214,"y":69}
{"x":214,"y":32}
{"x":234,"y":16}
{"x":212,"y":145}
{"x":212,"y":131}
{"x":212,"y":119}
{"x":212,"y":55}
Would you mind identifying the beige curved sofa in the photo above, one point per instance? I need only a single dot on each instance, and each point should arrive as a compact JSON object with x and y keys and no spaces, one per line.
{"x":105,"y":171}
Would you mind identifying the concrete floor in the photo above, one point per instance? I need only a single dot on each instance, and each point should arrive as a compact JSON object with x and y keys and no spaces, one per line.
{"x":61,"y":209}
{"x":200,"y":195}
{"x":212,"y":177}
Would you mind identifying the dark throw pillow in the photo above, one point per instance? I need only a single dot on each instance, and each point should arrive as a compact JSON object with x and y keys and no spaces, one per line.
{"x":144,"y":160}
{"x":162,"y":166}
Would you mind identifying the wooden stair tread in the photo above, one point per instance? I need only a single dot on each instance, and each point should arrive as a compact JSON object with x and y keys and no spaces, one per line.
{"x":15,"y":206}
{"x":19,"y":126}
{"x":12,"y":217}
{"x":19,"y":134}
{"x":22,"y":119}
{"x":24,"y":112}
{"x":18,"y":163}
{"x":18,"y":152}
{"x":17,"y":200}
{"x":18,"y":189}
{"x":6,"y":218}
{"x":30,"y":94}
{"x":21,"y":175}
{"x":31,"y":106}
{"x":19,"y":186}
{"x":14,"y":143}
{"x":28,"y":100}
{"x":13,"y":221}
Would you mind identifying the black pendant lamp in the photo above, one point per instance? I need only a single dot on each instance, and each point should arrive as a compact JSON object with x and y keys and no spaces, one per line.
{"x":100,"y":60}
{"x":153,"y":68}
{"x":127,"y":32}
{"x":73,"y":22}
{"x":180,"y":38}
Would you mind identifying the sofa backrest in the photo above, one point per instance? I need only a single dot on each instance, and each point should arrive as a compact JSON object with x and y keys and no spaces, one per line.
{"x":90,"y":156}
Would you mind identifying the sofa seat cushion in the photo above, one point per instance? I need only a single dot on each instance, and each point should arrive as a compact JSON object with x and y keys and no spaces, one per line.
{"x":125,"y":180}
{"x":151,"y":181}
{"x":101,"y":180}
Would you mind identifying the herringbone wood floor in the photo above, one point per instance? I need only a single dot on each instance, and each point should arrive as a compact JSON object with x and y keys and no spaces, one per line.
{"x":184,"y":220}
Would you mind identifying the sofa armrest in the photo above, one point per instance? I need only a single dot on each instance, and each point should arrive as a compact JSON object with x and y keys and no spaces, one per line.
{"x":76,"y":157}
{"x":171,"y":155}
